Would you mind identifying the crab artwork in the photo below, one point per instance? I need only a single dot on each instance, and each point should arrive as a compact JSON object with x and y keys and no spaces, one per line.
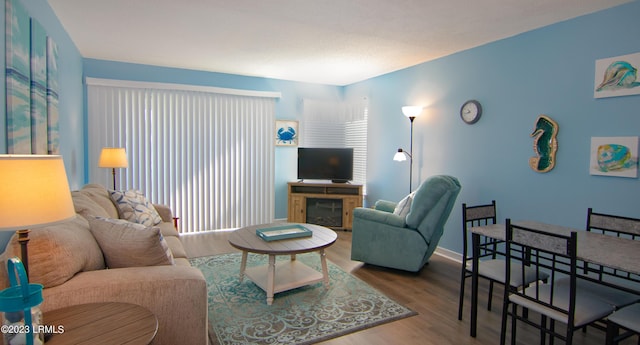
{"x":286,"y":136}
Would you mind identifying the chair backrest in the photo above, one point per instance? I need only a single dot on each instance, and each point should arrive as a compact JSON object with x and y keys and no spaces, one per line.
{"x":530,"y":250}
{"x":611,"y":225}
{"x":478,"y":215}
{"x":431,"y":207}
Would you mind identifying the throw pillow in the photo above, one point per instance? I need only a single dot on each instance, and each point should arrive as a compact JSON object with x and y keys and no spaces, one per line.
{"x":126,"y":244}
{"x":133,"y":206}
{"x":58,"y":252}
{"x":86,"y":207}
{"x":404,"y":206}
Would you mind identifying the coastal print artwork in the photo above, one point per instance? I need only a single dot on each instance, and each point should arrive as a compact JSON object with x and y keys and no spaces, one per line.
{"x":287,"y":133}
{"x":18,"y":80}
{"x":614,"y":156}
{"x":39,"y":139}
{"x":31,"y":74}
{"x":545,"y":144}
{"x":53,"y":131}
{"x":617,"y":76}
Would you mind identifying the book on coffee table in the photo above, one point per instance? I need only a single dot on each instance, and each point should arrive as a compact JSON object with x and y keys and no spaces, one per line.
{"x":283,"y":232}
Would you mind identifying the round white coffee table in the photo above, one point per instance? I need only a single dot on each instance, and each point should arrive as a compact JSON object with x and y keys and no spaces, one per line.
{"x":285,"y":275}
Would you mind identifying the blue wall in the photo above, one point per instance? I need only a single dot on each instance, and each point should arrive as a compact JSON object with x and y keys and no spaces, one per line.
{"x":547,"y":71}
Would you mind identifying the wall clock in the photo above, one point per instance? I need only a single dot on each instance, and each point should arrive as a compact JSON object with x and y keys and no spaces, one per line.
{"x":471,"y":111}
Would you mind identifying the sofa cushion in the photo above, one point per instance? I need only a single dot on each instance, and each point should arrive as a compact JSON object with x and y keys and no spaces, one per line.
{"x":100,"y":196}
{"x":87,"y":207}
{"x":127,"y":244}
{"x":176,"y":247}
{"x":133,"y":206}
{"x":58,"y":252}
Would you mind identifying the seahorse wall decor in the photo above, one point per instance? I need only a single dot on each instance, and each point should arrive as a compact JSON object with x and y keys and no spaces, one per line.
{"x":545,"y":144}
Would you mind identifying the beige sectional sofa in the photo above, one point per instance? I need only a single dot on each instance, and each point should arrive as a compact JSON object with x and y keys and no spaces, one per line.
{"x":71,"y":260}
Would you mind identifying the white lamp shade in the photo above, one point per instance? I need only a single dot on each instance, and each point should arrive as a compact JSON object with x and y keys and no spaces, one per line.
{"x":400,"y":156}
{"x":411,"y":111}
{"x":34,"y":192}
{"x":113,"y":157}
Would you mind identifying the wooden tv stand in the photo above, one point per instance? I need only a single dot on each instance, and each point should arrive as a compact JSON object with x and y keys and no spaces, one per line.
{"x":326,"y":204}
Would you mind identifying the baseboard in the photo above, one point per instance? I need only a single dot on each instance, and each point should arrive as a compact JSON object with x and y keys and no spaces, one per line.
{"x":449,"y":254}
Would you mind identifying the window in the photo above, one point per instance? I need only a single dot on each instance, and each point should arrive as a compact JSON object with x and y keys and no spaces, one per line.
{"x":338,"y":124}
{"x":206,"y":152}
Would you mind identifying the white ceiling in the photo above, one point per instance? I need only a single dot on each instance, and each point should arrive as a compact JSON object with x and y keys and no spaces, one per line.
{"x":336,"y":42}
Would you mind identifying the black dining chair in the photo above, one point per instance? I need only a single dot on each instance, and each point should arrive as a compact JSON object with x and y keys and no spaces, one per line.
{"x":555,"y":254}
{"x":491,"y":259}
{"x":594,"y":278}
{"x":627,"y":318}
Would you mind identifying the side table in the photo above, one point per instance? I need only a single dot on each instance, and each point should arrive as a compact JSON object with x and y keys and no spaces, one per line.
{"x":109,"y":323}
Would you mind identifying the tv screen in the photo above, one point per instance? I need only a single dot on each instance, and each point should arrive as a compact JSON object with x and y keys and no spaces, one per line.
{"x":335,"y":164}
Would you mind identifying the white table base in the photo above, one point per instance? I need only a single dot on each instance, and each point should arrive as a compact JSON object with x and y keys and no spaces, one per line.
{"x":282,"y":276}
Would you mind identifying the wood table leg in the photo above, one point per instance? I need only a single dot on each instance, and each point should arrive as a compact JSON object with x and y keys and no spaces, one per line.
{"x":325,"y":269}
{"x":271,"y":273}
{"x":243,"y":265}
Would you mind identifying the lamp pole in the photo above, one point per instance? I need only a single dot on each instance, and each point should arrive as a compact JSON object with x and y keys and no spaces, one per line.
{"x":411,"y":112}
{"x":411,"y":118}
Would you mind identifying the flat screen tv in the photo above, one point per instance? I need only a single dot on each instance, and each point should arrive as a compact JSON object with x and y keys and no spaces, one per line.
{"x":335,"y":164}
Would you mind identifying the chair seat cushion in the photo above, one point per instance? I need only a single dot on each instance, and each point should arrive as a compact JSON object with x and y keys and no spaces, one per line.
{"x":495,"y":270}
{"x":589,"y":308}
{"x":614,"y":297}
{"x":628,"y":317}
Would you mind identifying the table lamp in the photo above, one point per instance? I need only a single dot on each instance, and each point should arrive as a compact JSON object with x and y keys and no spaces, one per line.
{"x":113,"y":157}
{"x":35,"y":193}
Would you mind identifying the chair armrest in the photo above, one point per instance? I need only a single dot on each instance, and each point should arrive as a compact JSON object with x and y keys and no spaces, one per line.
{"x":385,"y":205}
{"x":379,"y":216}
{"x":165,"y":212}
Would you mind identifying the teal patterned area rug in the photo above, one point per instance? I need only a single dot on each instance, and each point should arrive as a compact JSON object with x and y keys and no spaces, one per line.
{"x":239,"y":314}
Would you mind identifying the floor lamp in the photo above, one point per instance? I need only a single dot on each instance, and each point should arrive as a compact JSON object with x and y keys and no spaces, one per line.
{"x":35,"y":193}
{"x":113,"y":157}
{"x":411,"y":112}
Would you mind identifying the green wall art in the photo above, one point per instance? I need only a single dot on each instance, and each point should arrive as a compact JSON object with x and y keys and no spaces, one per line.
{"x":545,"y":144}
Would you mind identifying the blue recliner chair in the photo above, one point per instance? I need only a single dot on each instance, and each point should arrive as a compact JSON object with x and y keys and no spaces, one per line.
{"x":382,"y":238}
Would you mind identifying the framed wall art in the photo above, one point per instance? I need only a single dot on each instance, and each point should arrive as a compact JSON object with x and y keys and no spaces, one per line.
{"x":31,"y":79}
{"x":617,"y":76}
{"x":614,"y":156}
{"x":286,"y":133}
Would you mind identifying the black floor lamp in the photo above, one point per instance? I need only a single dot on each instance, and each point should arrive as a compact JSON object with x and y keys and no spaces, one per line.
{"x":411,"y":112}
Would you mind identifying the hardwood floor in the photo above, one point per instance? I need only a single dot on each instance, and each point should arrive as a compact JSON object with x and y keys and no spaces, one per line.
{"x":433,"y":293}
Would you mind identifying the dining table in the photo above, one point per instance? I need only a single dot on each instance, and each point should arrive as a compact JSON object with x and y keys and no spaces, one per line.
{"x":613,"y":252}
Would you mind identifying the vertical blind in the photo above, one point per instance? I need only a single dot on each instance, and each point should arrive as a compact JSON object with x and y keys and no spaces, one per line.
{"x":338,"y":124}
{"x":208,"y":155}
